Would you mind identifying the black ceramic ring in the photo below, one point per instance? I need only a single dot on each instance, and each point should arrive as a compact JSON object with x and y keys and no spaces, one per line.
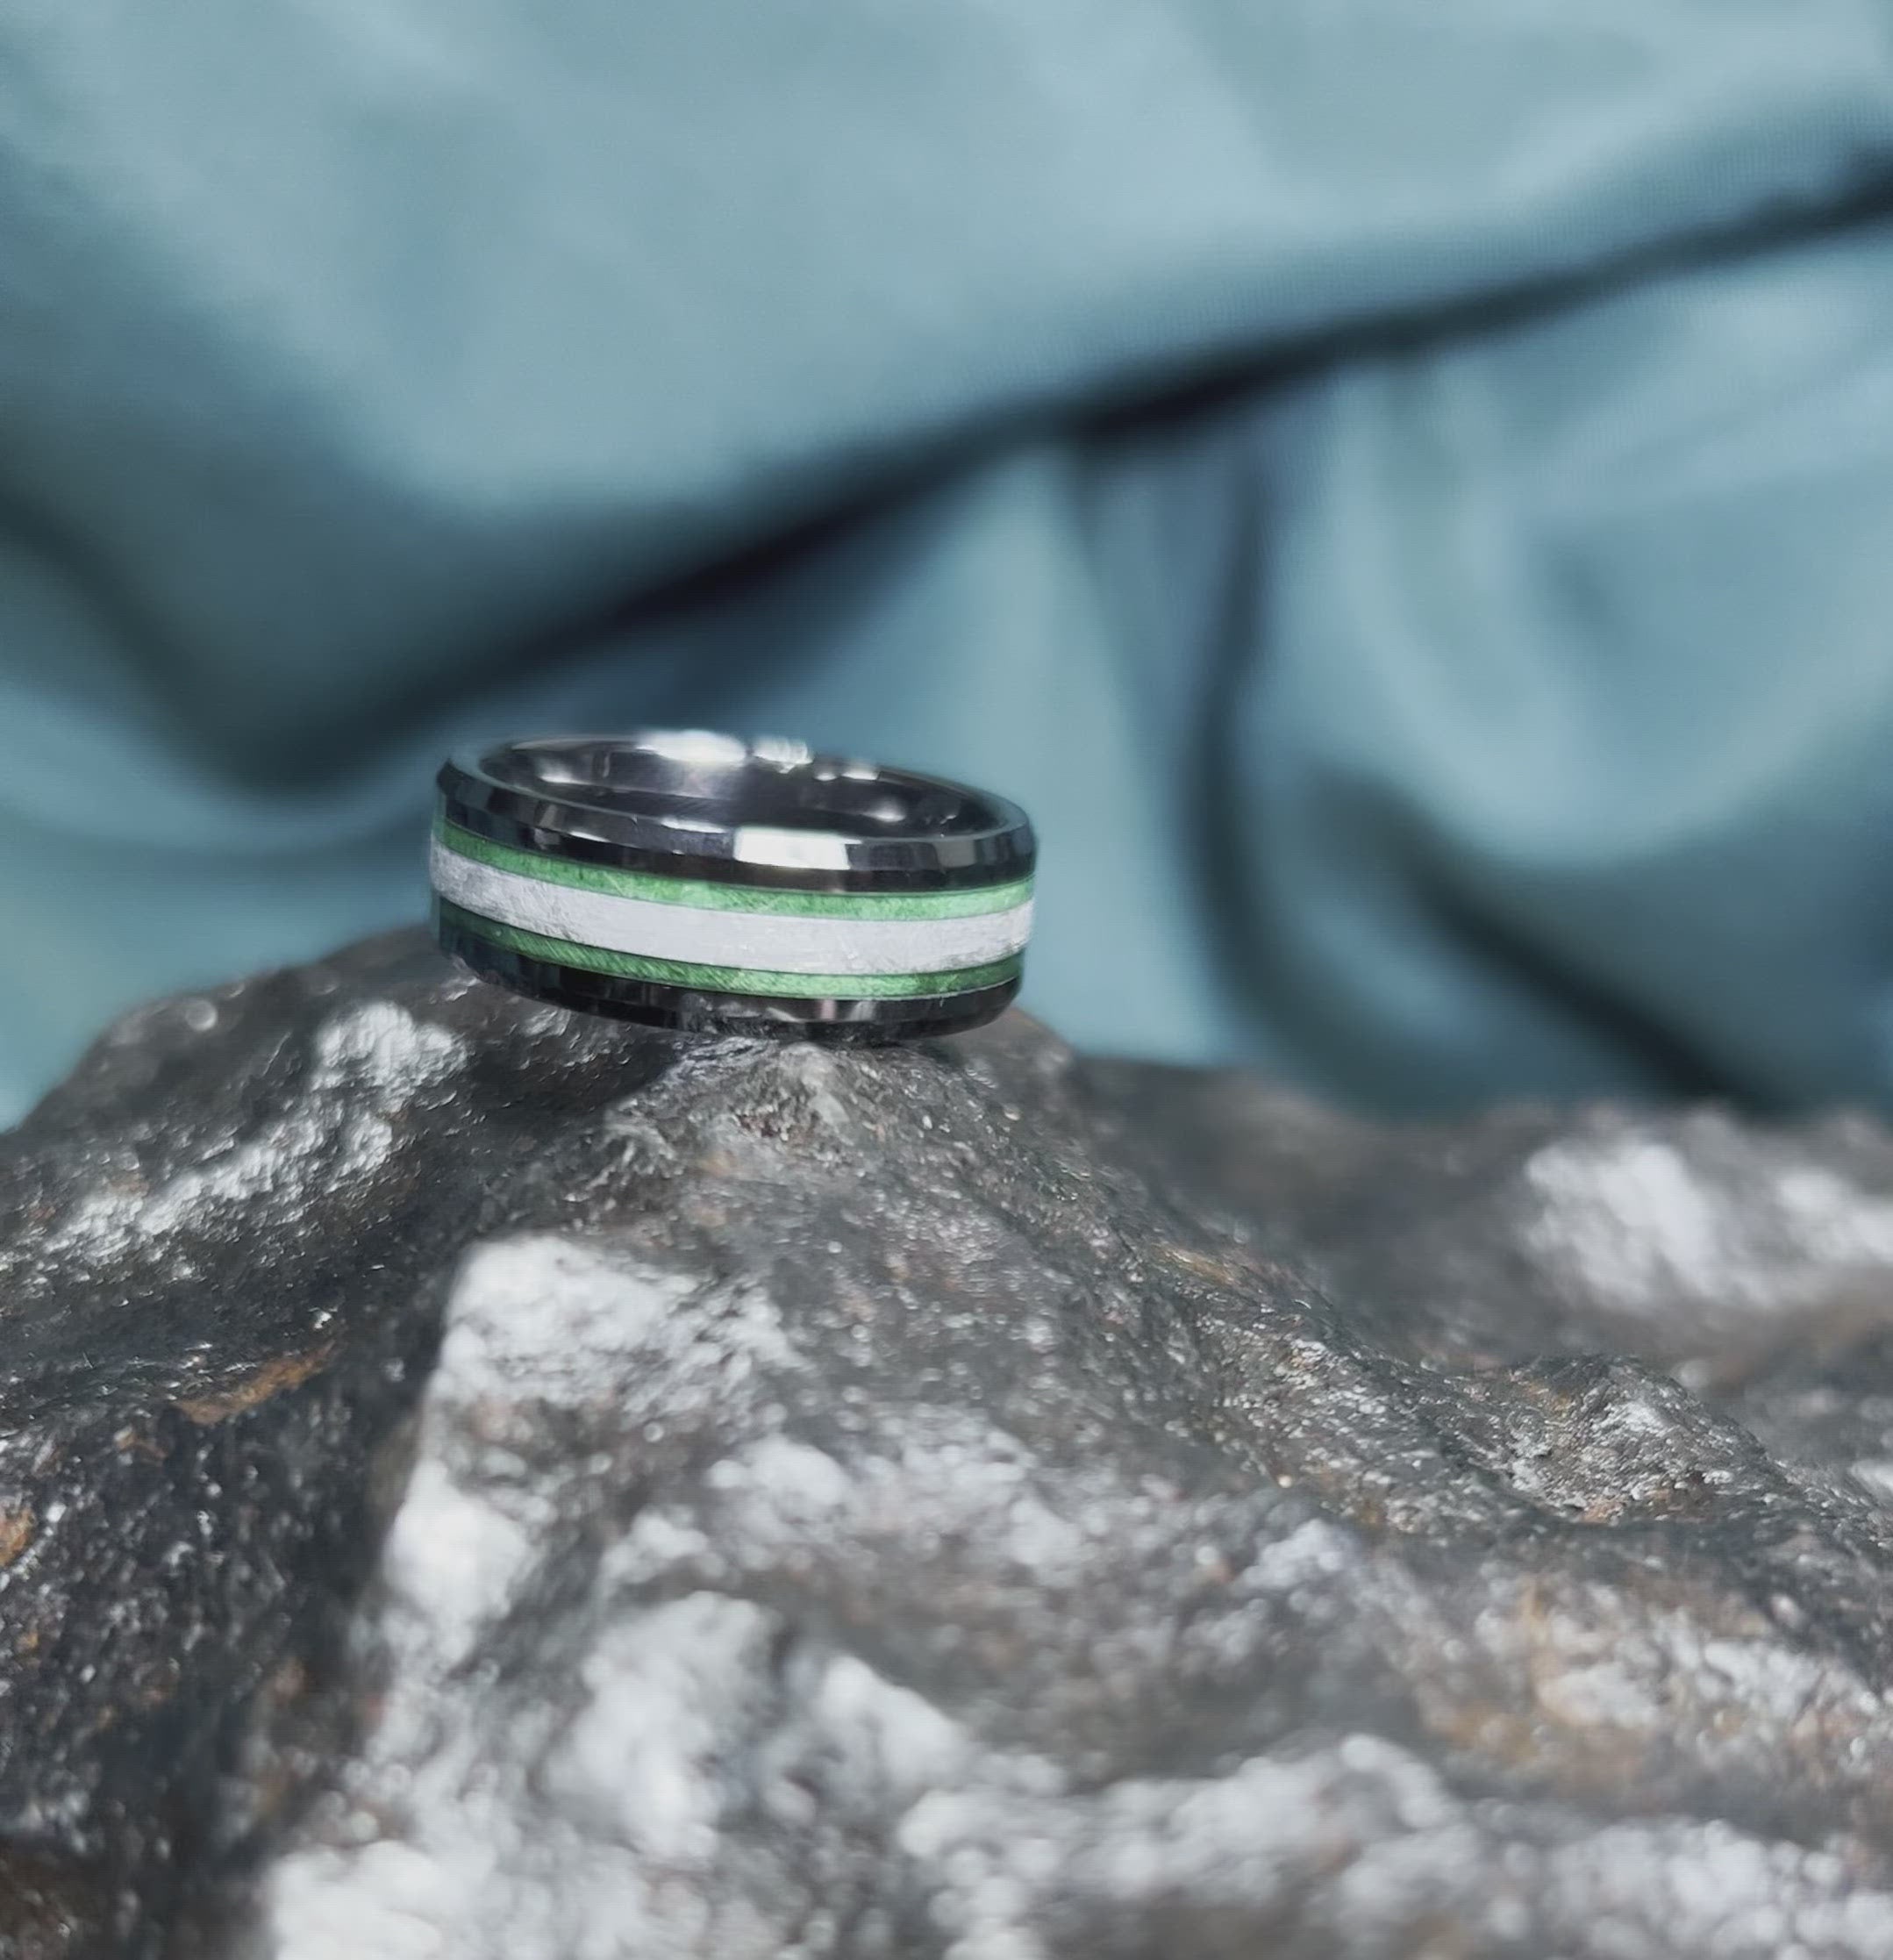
{"x":691,"y":881}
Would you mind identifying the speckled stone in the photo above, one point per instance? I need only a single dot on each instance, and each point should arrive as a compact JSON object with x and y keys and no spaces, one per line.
{"x":483,"y":1484}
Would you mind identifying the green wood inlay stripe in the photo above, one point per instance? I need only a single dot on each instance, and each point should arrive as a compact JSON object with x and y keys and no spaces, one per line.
{"x":730,"y":979}
{"x":715,"y":896}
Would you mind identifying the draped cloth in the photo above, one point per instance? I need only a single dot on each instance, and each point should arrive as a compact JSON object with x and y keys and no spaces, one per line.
{"x":1404,"y":494}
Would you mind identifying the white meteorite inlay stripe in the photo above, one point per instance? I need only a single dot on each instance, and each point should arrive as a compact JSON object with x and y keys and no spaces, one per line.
{"x":689,"y":933}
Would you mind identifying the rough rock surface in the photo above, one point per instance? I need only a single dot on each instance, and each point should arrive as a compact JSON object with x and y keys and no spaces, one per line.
{"x":481,"y":1484}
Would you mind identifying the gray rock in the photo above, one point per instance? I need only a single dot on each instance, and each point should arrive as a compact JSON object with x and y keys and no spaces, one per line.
{"x":478,"y":1483}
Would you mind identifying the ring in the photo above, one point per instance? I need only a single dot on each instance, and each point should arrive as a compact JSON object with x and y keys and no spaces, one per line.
{"x":692,"y":881}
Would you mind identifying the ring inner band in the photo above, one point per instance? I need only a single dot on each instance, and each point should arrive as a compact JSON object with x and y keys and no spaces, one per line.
{"x":713,"y":779}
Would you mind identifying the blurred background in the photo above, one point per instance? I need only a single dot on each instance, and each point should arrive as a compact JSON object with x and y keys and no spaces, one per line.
{"x":1404,"y":494}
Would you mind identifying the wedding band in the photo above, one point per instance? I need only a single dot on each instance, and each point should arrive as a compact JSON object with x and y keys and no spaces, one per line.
{"x":692,"y":881}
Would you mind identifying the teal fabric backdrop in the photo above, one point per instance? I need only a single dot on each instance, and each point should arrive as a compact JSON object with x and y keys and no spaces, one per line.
{"x":1404,"y":493}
